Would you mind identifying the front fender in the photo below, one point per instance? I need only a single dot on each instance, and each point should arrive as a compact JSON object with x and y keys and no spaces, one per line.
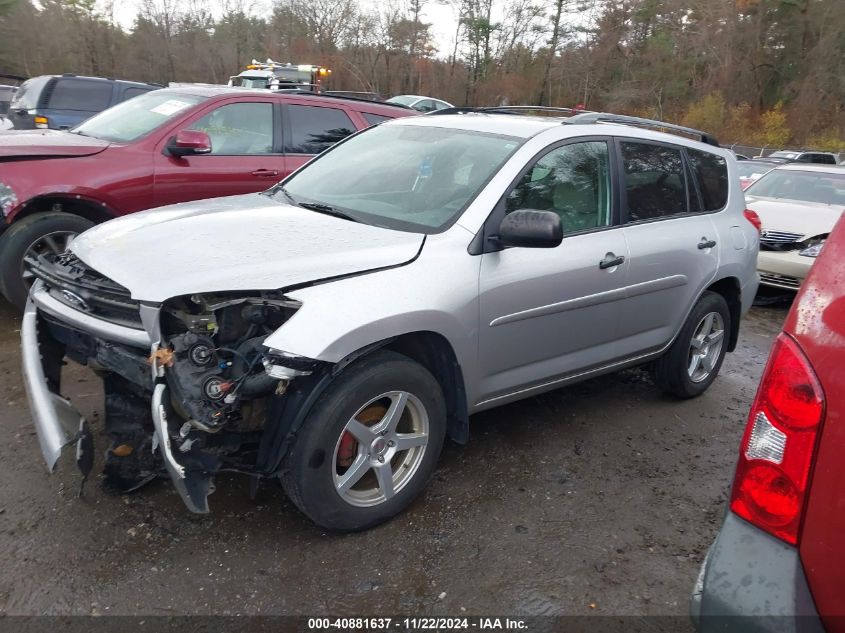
{"x":436,"y":293}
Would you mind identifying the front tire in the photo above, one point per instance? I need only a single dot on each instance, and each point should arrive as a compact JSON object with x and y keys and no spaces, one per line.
{"x":48,"y":233}
{"x":692,"y":362}
{"x":369,"y":445}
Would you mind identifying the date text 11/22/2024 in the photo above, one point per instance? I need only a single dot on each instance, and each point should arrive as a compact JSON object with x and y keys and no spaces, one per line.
{"x":374,"y":624}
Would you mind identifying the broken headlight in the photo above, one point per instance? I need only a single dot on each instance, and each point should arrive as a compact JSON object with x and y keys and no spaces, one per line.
{"x":813,"y":249}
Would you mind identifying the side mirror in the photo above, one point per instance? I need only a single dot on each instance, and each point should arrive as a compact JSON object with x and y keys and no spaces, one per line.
{"x":531,"y":229}
{"x":189,"y":142}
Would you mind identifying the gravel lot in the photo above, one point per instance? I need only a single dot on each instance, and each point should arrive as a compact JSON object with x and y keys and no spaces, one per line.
{"x":596,"y":499}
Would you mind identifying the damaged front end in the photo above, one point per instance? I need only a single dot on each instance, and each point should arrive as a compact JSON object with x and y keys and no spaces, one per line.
{"x":190,"y":389}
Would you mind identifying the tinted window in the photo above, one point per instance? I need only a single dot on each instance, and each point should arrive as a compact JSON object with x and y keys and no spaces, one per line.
{"x":711,"y":171}
{"x":315,"y":129}
{"x":26,"y":98}
{"x":374,"y":119}
{"x":573,"y":181}
{"x":239,"y":128}
{"x":133,"y":92}
{"x":654,"y":181}
{"x":80,"y":94}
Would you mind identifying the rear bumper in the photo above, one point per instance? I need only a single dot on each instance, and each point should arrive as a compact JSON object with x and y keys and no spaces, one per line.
{"x":752,"y":582}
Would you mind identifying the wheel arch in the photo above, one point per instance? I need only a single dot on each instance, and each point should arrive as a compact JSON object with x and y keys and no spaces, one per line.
{"x":75,"y":204}
{"x":729,"y":289}
{"x":434,"y":352}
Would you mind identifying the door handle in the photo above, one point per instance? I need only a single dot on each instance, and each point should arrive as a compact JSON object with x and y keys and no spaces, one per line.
{"x":705,"y":243}
{"x":610,"y":260}
{"x":265,"y":173}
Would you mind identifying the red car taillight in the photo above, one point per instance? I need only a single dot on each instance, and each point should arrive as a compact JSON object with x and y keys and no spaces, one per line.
{"x":778,"y":447}
{"x":751,"y":216}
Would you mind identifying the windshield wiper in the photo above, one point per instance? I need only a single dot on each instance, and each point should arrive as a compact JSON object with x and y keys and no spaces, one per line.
{"x":313,"y":206}
{"x":272,"y":191}
{"x":327,"y":209}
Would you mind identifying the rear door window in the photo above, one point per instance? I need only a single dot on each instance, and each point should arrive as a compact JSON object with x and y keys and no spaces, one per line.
{"x":80,"y":94}
{"x":314,"y":129}
{"x":655,"y":184}
{"x":711,"y":172}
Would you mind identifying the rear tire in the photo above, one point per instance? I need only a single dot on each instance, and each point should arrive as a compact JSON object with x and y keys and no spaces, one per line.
{"x":46,"y":231}
{"x":347,"y":470}
{"x":692,"y":362}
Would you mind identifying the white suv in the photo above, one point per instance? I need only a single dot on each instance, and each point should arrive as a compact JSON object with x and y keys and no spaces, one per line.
{"x":333,"y":330}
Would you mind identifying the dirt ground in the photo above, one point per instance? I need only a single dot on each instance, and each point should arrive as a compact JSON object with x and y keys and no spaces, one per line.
{"x":600,"y":498}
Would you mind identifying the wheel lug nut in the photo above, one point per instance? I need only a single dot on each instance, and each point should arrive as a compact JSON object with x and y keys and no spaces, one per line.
{"x":381,"y":458}
{"x":391,"y":443}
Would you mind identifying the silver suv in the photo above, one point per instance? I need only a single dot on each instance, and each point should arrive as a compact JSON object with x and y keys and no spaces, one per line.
{"x":332,"y":331}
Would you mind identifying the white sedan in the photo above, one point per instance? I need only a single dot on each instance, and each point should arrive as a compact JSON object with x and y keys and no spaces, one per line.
{"x":420,"y":103}
{"x":798,"y":206}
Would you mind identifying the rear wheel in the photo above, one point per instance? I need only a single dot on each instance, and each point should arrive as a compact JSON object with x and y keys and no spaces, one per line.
{"x":369,"y":445}
{"x":48,"y":233}
{"x":693,"y":361}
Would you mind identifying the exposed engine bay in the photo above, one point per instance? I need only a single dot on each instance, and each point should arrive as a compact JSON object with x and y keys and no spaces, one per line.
{"x":219,"y":396}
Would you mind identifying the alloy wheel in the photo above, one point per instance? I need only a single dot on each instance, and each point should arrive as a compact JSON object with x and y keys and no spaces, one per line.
{"x":380,"y":449}
{"x":706,"y":346}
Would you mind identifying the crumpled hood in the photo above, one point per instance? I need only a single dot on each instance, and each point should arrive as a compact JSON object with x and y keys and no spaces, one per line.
{"x":794,"y":216}
{"x":48,"y":143}
{"x":247,"y":242}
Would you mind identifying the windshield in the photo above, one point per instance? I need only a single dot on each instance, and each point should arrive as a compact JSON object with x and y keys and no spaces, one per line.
{"x":750,"y":168}
{"x":250,"y":82}
{"x":806,"y":186}
{"x":136,"y":117}
{"x":404,"y":177}
{"x":403,"y":100}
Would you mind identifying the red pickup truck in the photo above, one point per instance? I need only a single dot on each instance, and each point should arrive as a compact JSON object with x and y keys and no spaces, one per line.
{"x":163,"y":147}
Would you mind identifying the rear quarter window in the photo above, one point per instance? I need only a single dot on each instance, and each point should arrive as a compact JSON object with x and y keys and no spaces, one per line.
{"x":133,"y":92}
{"x":374,"y":119}
{"x":80,"y":94}
{"x":711,"y":172}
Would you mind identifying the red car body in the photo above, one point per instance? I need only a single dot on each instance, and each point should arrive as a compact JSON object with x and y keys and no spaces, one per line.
{"x":101,"y":179}
{"x":778,"y":563}
{"x":56,"y":184}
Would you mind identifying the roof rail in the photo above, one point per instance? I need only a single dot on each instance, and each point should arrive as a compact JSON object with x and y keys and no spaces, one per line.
{"x":509,"y":109}
{"x":604,"y":117}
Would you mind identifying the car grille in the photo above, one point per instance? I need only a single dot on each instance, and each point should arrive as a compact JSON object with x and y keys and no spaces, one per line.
{"x":82,"y":288}
{"x":781,"y":281}
{"x":780,"y":239}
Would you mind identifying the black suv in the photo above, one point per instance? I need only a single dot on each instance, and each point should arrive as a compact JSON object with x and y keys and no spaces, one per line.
{"x":61,"y":101}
